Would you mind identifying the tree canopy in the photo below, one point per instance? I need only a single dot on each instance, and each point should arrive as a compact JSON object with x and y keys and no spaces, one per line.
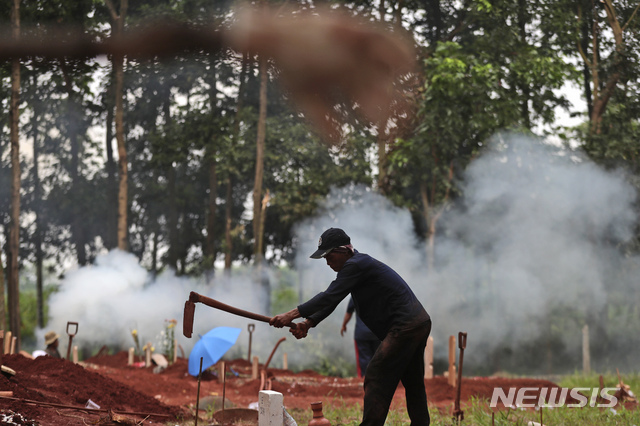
{"x":190,"y":122}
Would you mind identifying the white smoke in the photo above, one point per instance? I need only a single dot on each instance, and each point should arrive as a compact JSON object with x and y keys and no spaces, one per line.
{"x":533,"y":234}
{"x":528,"y":251}
{"x":117,"y":295}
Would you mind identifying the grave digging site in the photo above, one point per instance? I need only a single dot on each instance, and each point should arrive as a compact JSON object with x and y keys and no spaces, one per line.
{"x":54,"y":391}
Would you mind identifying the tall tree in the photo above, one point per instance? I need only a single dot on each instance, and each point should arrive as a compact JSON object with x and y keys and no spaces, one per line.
{"x":117,"y":26}
{"x":610,"y":73}
{"x":37,"y":194}
{"x":3,"y":321}
{"x":110,"y":234}
{"x":258,"y":210}
{"x":73,"y":117}
{"x":14,"y":233}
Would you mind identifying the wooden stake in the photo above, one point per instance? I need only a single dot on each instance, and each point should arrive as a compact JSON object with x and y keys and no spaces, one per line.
{"x":7,"y":342}
{"x":428,"y":359}
{"x":75,"y":354}
{"x":452,"y":361}
{"x":224,"y":387}
{"x":254,"y":368}
{"x":14,"y":341}
{"x":285,"y":362}
{"x":222,"y":370}
{"x":132,"y":351}
{"x":175,"y":350}
{"x":586,"y":355}
{"x":148,"y":355}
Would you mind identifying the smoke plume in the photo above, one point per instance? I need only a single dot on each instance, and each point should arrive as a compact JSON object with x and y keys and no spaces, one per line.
{"x":527,"y":256}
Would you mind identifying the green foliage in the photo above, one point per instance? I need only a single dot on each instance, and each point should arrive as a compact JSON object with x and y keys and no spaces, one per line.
{"x":484,"y":67}
{"x":284,"y":294}
{"x":610,"y":379}
{"x":168,"y":341}
{"x":29,"y":313}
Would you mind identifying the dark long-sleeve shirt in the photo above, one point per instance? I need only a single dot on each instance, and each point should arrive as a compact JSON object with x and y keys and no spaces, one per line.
{"x":361,"y":331}
{"x":383,"y":300}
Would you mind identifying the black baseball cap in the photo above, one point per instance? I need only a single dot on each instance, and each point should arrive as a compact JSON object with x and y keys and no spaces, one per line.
{"x":330,"y":239}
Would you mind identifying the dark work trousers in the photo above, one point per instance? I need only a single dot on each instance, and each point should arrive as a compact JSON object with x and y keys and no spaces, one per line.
{"x":364,"y":352}
{"x":400,"y":357}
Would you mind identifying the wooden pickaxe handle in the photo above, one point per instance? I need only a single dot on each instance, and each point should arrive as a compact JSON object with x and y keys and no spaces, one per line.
{"x":189,"y":310}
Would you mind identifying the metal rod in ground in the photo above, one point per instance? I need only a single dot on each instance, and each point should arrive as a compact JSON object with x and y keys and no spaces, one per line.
{"x":462,"y":344}
{"x":224,"y":386}
{"x":198,"y":392}
{"x":85,"y":409}
{"x":541,"y":424}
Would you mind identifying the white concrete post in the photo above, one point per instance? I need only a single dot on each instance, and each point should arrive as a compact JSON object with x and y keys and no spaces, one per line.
{"x":270,"y":408}
{"x":131,"y":353}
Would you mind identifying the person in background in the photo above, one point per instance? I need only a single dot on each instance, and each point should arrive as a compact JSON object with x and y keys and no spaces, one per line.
{"x":386,"y":304}
{"x":51,"y":340}
{"x":366,"y":342}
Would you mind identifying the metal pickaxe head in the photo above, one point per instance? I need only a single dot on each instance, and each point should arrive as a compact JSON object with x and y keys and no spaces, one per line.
{"x":187,"y":320}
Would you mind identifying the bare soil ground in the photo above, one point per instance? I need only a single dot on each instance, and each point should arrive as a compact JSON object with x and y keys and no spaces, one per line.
{"x":50,"y":391}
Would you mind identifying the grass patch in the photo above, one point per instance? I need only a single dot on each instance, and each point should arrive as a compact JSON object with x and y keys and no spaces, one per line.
{"x":478,"y":412}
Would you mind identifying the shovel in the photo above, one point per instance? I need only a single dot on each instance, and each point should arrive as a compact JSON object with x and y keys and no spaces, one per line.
{"x":75,"y":331}
{"x":250,"y":329}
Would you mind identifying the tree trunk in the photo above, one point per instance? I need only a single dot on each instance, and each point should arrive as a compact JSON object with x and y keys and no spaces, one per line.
{"x":431,"y":214}
{"x":110,"y":234}
{"x":259,"y":210}
{"x":429,"y":233}
{"x":123,"y":166}
{"x":228,"y":254}
{"x":227,"y":228}
{"x":260,"y":142}
{"x":524,"y":87}
{"x":3,"y":314}
{"x":14,"y":233}
{"x":154,"y":251}
{"x":172,"y":214}
{"x":382,"y":156}
{"x":210,"y":249}
{"x":37,"y":195}
{"x":210,"y":253}
{"x":604,"y":88}
{"x":172,"y":219}
{"x":77,"y":229}
{"x":586,"y":71}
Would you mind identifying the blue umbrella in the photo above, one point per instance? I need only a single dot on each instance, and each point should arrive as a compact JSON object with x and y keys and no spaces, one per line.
{"x":211,"y":347}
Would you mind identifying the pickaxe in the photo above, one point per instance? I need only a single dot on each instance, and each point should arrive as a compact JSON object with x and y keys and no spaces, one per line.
{"x":190,"y":309}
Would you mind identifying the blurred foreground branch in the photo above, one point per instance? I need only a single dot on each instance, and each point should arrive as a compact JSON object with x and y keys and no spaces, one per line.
{"x":324,"y":59}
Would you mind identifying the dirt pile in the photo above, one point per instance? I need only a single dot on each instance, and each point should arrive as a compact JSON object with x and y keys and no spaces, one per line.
{"x":60,"y":383}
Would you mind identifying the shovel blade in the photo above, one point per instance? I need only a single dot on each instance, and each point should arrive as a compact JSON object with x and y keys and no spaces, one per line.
{"x":187,"y":320}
